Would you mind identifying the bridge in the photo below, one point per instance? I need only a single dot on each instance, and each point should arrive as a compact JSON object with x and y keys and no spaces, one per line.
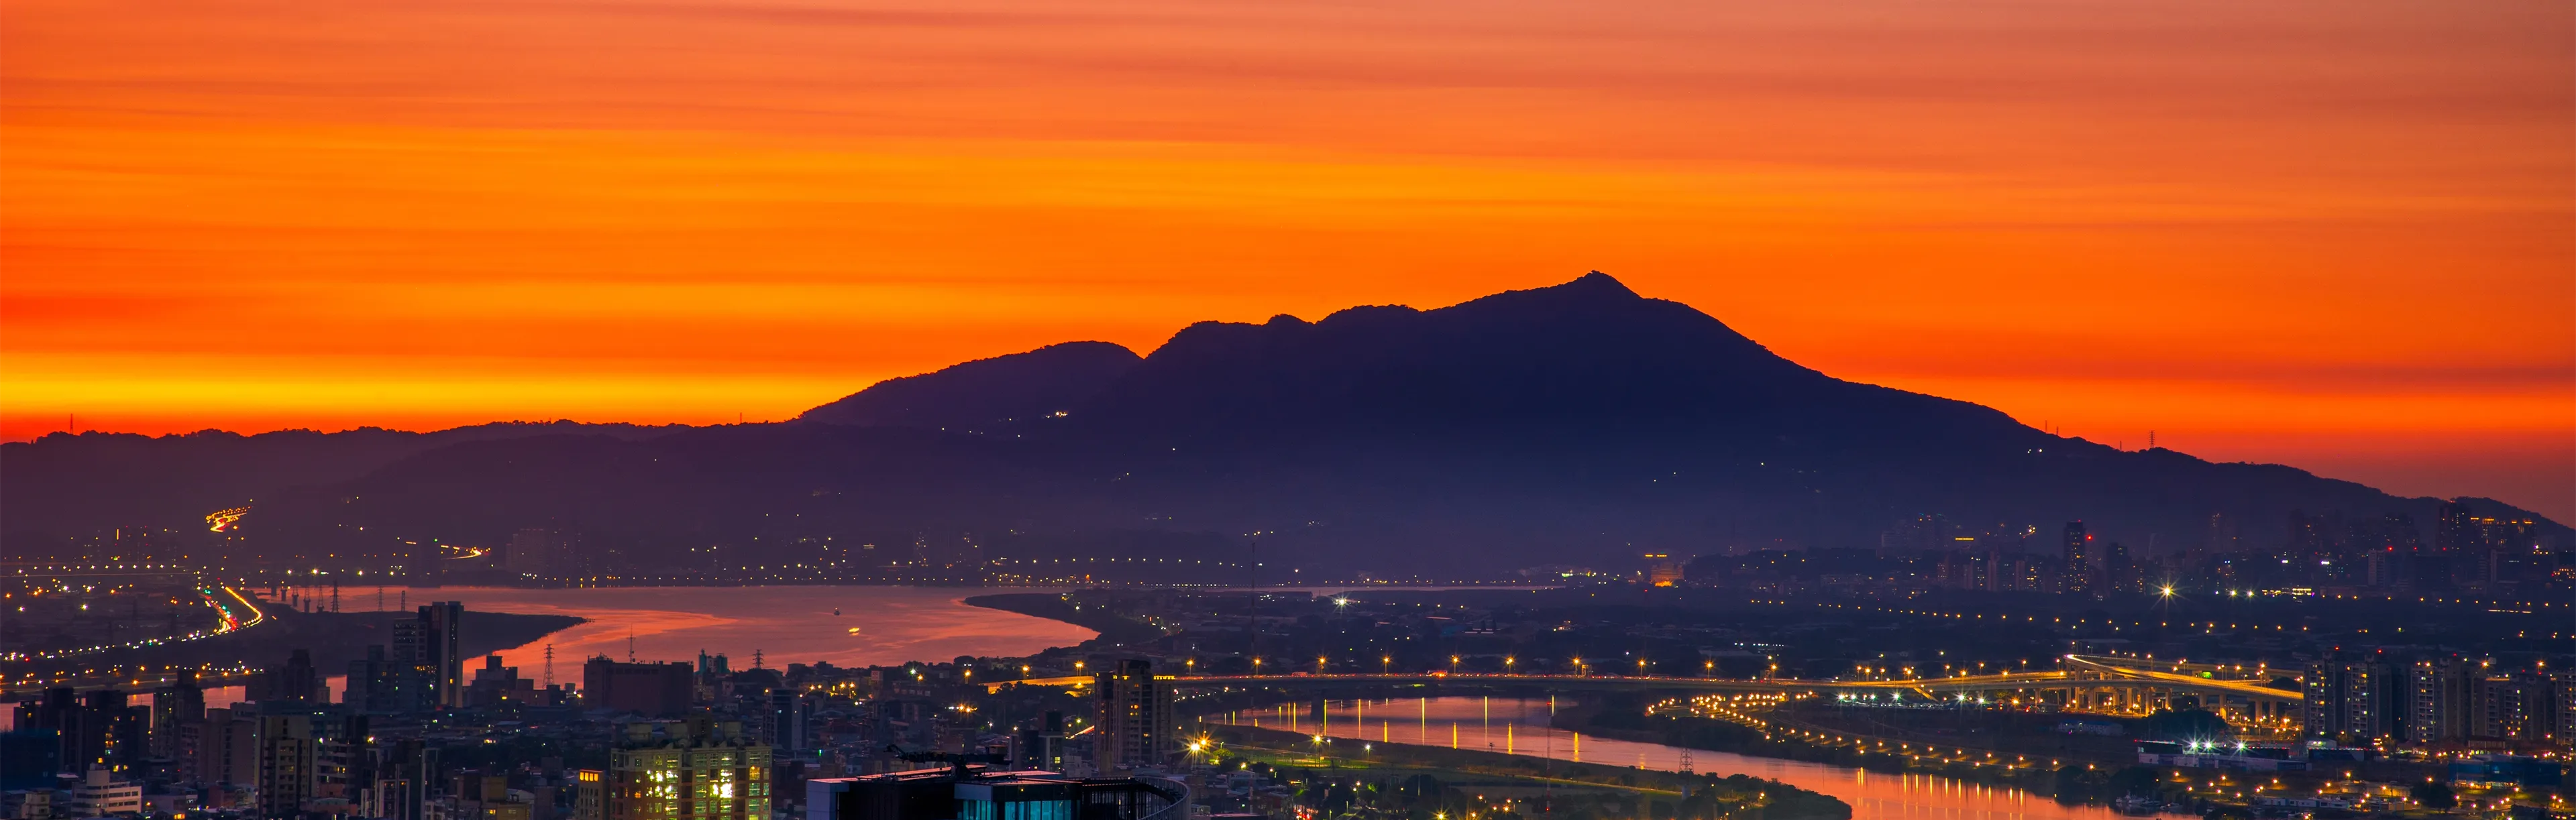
{"x":2080,"y":684}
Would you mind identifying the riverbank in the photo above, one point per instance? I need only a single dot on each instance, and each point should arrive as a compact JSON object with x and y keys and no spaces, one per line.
{"x":333,"y":638}
{"x":2072,"y":782}
{"x":1114,"y":629}
{"x":1681,"y":795}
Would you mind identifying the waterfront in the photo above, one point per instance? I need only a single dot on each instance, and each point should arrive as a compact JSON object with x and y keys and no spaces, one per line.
{"x":1523,"y":727}
{"x":876,"y":625}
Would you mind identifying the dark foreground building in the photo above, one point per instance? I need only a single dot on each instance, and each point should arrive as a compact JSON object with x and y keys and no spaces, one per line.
{"x":975,"y":792}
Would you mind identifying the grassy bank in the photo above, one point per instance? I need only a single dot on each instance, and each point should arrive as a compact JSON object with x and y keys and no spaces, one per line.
{"x":1114,"y":629}
{"x":2068,"y":781}
{"x":1589,"y":789}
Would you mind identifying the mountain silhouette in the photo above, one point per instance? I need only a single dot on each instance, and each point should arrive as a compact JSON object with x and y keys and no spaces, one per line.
{"x":985,"y":393}
{"x":1579,"y":423}
{"x":1584,"y":359}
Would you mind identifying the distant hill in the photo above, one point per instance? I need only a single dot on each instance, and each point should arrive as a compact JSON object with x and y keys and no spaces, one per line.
{"x":64,"y":483}
{"x":1580,"y":423}
{"x":986,"y":393}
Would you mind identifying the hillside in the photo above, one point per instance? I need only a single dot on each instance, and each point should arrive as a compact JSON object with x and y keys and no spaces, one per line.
{"x":1580,"y":423}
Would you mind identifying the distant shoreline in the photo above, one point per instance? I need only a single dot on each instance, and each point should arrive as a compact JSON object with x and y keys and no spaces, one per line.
{"x":1112,"y":629}
{"x":333,"y":638}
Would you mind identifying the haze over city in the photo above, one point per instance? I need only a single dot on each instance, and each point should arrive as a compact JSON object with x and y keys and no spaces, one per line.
{"x":1146,"y":410}
{"x":2330,"y":235}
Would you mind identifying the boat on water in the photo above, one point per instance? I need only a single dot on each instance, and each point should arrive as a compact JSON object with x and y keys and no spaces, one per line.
{"x":2133,"y":804}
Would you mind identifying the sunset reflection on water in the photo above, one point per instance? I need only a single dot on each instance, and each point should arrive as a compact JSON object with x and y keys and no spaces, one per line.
{"x":785,"y":624}
{"x":1521,"y":726}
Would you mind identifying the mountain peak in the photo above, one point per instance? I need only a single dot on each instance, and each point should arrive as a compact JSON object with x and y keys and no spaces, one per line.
{"x":984,"y":392}
{"x":1597,"y":282}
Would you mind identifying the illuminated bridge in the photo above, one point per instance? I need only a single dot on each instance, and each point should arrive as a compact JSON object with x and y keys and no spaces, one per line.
{"x":2081,"y":684}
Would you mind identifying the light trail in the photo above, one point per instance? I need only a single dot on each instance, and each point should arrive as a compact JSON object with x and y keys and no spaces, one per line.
{"x":1927,"y":687}
{"x":228,"y":622}
{"x":222,"y":520}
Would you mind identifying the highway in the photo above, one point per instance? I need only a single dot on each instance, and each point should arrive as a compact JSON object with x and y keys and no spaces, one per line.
{"x":232,"y":617}
{"x":2079,"y":671}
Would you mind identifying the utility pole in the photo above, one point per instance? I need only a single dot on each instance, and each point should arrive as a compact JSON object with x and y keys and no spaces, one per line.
{"x":1252,"y":609}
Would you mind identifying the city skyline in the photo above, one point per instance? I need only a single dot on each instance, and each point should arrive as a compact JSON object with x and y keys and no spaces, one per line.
{"x":525,"y":212}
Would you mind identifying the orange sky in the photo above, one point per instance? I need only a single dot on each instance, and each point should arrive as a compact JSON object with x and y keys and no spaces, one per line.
{"x":2335,"y":234}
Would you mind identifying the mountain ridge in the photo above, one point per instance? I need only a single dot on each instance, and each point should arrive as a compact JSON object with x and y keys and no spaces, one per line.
{"x":1541,"y":425}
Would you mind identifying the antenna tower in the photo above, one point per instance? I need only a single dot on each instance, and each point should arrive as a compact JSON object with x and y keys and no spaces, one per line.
{"x":550,"y":665}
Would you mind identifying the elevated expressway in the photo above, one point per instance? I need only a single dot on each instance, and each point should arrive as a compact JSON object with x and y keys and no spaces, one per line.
{"x":2080,"y":684}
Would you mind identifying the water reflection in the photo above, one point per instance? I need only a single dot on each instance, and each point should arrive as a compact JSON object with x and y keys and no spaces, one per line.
{"x":1523,"y":727}
{"x":882,"y":625}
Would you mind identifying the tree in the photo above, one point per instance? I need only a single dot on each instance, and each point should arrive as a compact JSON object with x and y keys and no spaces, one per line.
{"x":2434,"y":795}
{"x":2185,"y":726}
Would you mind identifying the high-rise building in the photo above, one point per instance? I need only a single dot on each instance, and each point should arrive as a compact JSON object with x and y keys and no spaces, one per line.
{"x":2511,"y":707}
{"x":109,"y":734}
{"x":29,"y":759}
{"x":2373,"y":699}
{"x":286,"y":765}
{"x":443,"y":650}
{"x":2565,"y":684}
{"x":687,"y":770}
{"x":788,"y":714}
{"x":296,"y":682}
{"x":1041,"y":746}
{"x":93,"y":729}
{"x":2457,"y":540}
{"x":402,"y":774}
{"x":374,"y":683}
{"x":2122,"y":573}
{"x":976,"y":792}
{"x":2321,"y":698}
{"x":2078,"y":572}
{"x":543,"y":552}
{"x":228,"y":748}
{"x":590,"y":795}
{"x":345,"y":765}
{"x":650,"y":689}
{"x":102,"y":794}
{"x":175,"y":707}
{"x":2438,"y":691}
{"x":1137,"y":727}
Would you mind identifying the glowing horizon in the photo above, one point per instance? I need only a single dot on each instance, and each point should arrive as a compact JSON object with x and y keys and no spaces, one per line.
{"x":2327,"y":235}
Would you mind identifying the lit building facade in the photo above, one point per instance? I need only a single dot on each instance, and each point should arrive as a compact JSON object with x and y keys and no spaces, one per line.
{"x":682,"y":770}
{"x":1137,"y":727}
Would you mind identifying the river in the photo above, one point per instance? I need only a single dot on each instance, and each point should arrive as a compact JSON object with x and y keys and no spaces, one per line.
{"x":1522,"y":727}
{"x":876,"y":625}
